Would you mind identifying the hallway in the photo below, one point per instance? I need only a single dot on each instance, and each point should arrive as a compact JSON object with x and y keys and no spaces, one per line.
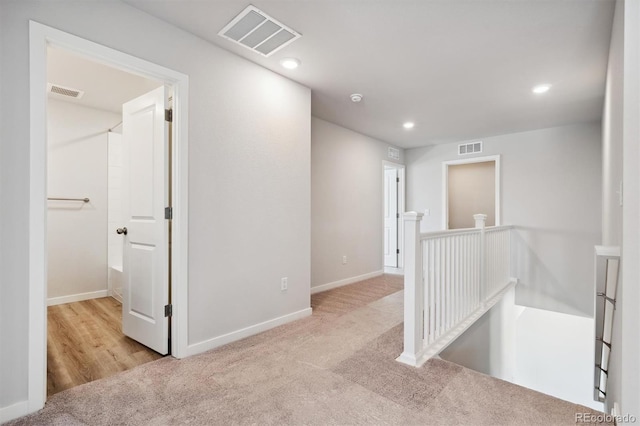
{"x":336,"y":367}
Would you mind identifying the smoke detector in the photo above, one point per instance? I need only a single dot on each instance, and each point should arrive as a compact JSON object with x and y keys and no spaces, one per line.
{"x":64,"y":91}
{"x":356,"y":97}
{"x":258,"y":32}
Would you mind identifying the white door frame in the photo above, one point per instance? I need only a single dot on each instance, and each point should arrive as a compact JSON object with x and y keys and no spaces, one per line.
{"x":41,"y":36}
{"x":401,"y":210}
{"x":445,"y":187}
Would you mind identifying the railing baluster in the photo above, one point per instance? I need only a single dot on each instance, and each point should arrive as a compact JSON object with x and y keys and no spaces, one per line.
{"x":441,"y":244}
{"x":441,"y":288}
{"x":432,"y":290}
{"x":436,"y":265}
{"x":456,"y":292}
{"x":448,"y":284}
{"x":466,"y":273}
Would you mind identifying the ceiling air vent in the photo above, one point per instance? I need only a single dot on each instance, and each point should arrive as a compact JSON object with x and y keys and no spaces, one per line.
{"x":470,"y":148}
{"x":64,"y":91}
{"x":259,"y":32}
{"x":394,"y":153}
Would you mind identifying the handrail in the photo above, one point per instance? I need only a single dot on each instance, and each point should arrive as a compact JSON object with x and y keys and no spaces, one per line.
{"x":462,"y":231}
{"x":497,"y":228}
{"x":607,"y":260}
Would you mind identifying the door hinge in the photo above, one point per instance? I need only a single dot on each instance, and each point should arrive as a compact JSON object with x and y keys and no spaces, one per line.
{"x":398,"y":180}
{"x":168,"y":310}
{"x":168,"y":115}
{"x":168,"y":213}
{"x":397,"y":215}
{"x":397,"y":251}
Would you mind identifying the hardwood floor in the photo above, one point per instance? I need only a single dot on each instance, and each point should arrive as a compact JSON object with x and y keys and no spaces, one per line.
{"x":85,"y":343}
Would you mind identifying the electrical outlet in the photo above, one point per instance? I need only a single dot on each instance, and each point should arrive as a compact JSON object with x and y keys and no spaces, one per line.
{"x":427,"y":212}
{"x":284,"y":284}
{"x":344,"y":260}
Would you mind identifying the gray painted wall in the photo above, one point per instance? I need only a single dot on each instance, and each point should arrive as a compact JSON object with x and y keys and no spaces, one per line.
{"x":612,"y":138}
{"x":612,"y":142}
{"x":622,"y":110}
{"x":551,"y":189}
{"x":249,"y":174}
{"x":346,"y":202}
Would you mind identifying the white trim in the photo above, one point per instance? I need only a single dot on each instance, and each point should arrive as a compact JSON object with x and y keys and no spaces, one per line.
{"x":41,"y":36}
{"x":335,"y":284}
{"x":401,"y":208}
{"x":608,"y":251}
{"x":216,"y":342}
{"x":14,"y":411}
{"x":445,"y":185}
{"x":393,"y":271}
{"x":52,"y":301}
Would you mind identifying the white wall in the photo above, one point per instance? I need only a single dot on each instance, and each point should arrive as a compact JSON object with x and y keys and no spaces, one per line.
{"x":622,"y":111}
{"x":488,"y":346}
{"x":346,"y":203}
{"x":114,"y":215}
{"x":531,"y":347}
{"x":612,"y":131}
{"x":612,"y":137}
{"x":115,"y":241}
{"x":554,"y":355}
{"x":551,"y":190}
{"x":630,"y":396}
{"x":77,"y":168}
{"x":249,"y":175}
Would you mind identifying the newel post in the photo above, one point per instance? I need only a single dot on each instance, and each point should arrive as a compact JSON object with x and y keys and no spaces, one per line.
{"x":413,"y":289}
{"x":481,"y":220}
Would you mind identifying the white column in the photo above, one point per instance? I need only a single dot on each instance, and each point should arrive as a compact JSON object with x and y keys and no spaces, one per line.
{"x":413,"y":290}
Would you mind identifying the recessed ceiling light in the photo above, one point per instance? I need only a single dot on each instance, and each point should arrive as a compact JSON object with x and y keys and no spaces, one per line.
{"x":290,"y":63}
{"x":356,"y":97}
{"x":541,"y":88}
{"x":408,"y":125}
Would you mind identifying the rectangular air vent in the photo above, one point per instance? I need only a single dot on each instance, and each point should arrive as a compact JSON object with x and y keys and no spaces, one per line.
{"x":64,"y":91}
{"x":259,"y":32}
{"x":394,"y":153}
{"x":470,"y":148}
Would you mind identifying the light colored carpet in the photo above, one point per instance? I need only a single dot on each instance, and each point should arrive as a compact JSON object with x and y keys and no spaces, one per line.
{"x":336,"y":367}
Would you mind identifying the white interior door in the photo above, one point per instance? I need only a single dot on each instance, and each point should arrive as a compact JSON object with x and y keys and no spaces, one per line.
{"x":144,"y":197}
{"x":391,"y":218}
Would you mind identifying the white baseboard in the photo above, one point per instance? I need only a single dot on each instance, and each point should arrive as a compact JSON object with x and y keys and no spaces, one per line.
{"x":14,"y":411}
{"x":346,"y":281}
{"x":393,"y":271}
{"x":200,"y":347}
{"x":77,"y":297}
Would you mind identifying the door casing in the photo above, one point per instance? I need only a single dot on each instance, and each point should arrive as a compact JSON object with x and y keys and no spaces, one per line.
{"x":445,"y":185}
{"x":40,"y":37}
{"x":401,"y":209}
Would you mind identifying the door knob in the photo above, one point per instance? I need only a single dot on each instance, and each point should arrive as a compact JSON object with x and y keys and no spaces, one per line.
{"x":122,"y":230}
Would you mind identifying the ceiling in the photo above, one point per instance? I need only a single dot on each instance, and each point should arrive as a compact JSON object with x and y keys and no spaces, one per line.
{"x":105,"y":87}
{"x":460,"y":69}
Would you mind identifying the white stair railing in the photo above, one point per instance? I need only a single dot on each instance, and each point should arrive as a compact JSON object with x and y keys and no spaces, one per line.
{"x":451,"y":279}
